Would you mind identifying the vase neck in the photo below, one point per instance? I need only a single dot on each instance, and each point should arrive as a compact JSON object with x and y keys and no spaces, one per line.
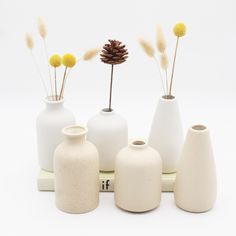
{"x":107,"y":112}
{"x":75,"y":133}
{"x":52,"y":104}
{"x":138,"y":144}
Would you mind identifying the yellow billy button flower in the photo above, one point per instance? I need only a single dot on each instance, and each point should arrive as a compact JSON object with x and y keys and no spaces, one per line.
{"x":68,"y":60}
{"x":179,"y":29}
{"x":55,"y":60}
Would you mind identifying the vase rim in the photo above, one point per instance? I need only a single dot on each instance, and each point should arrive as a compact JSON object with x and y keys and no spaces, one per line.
{"x":168,"y":98}
{"x":107,"y":111}
{"x":50,"y":100}
{"x":198,"y":128}
{"x":74,"y":131}
{"x":138,"y":143}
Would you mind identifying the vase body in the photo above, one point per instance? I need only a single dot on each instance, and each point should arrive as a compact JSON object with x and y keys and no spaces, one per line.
{"x":76,"y":164}
{"x":195,"y":186}
{"x":166,"y":134}
{"x":108,"y":131}
{"x":138,"y":172}
{"x":49,"y":124}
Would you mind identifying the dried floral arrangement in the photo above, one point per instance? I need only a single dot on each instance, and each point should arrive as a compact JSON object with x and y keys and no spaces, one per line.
{"x":56,"y":86}
{"x":113,"y":53}
{"x":179,"y":30}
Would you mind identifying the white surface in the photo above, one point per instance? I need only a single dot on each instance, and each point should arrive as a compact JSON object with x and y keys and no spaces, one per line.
{"x":205,"y":82}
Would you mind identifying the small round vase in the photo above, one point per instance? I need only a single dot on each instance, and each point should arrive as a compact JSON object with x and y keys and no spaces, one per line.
{"x":49,"y":124}
{"x":138,"y":178}
{"x":109,"y":132}
{"x":76,"y":164}
{"x":166,"y":134}
{"x":195,"y":185}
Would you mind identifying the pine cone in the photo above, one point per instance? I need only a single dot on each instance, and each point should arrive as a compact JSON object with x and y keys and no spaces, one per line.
{"x":114,"y":53}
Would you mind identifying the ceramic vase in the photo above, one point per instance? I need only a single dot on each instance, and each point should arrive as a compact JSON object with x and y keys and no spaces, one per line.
{"x":76,"y":164}
{"x":195,"y":186}
{"x":49,"y":125}
{"x":138,"y":178}
{"x":109,"y":132}
{"x":166,"y":134}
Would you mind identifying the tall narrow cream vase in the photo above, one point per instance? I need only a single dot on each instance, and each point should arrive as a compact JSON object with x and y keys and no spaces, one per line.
{"x":49,"y":125}
{"x":195,"y":186}
{"x":109,"y":132}
{"x":138,"y":178}
{"x":76,"y":172}
{"x":166,"y":134}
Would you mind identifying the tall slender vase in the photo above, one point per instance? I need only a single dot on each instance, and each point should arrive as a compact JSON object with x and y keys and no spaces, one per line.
{"x":166,"y":134}
{"x":138,"y":178}
{"x":76,"y":172}
{"x":109,"y":132}
{"x":49,"y":125}
{"x":195,"y":186}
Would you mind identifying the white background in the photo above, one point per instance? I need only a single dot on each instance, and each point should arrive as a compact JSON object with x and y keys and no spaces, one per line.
{"x":204,"y":85}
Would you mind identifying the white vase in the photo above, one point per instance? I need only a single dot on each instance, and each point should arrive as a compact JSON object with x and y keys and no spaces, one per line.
{"x":49,"y":125}
{"x":166,"y":134}
{"x":195,"y":186}
{"x":76,"y":164}
{"x":109,"y":132}
{"x":138,"y":172}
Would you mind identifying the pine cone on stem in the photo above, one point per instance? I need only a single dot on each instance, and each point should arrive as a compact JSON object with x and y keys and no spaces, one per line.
{"x":113,"y":53}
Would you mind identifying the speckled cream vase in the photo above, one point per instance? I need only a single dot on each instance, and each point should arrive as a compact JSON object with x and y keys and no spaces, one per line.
{"x":109,"y":132}
{"x":195,"y":186}
{"x":138,"y":178}
{"x":76,"y":172}
{"x":49,"y":125}
{"x":166,"y":134}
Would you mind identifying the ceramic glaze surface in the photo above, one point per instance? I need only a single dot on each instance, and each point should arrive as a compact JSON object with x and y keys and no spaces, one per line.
{"x":76,"y":172}
{"x":138,"y":178}
{"x":109,"y":132}
{"x":49,"y":124}
{"x":166,"y":134}
{"x":195,"y":186}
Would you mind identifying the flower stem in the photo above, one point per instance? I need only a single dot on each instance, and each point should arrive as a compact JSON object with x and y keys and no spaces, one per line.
{"x":111,"y":82}
{"x":55,"y":81}
{"x":49,"y":71}
{"x":39,"y":72}
{"x":162,"y":82}
{"x":167,"y":89}
{"x":63,"y":84}
{"x":173,"y":66}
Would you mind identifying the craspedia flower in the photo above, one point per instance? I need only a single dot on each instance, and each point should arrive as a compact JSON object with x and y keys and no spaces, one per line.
{"x":179,"y":29}
{"x":68,"y":60}
{"x":55,"y":60}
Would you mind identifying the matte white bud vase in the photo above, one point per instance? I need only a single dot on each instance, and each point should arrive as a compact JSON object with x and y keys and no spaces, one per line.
{"x":49,"y":125}
{"x":195,"y":186}
{"x":109,"y":132}
{"x":166,"y":134}
{"x":138,"y":178}
{"x":76,"y":172}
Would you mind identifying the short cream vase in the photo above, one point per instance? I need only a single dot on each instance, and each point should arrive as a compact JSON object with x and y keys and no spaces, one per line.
{"x":49,"y":124}
{"x":76,"y":164}
{"x":109,"y":132}
{"x":195,"y":187}
{"x":138,"y":170}
{"x":166,"y":133}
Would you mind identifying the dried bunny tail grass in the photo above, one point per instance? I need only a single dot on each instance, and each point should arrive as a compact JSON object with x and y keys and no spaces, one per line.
{"x":147,"y":47}
{"x":90,"y":54}
{"x":161,"y":42}
{"x":42,"y":28}
{"x":29,"y":41}
{"x":164,"y":61}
